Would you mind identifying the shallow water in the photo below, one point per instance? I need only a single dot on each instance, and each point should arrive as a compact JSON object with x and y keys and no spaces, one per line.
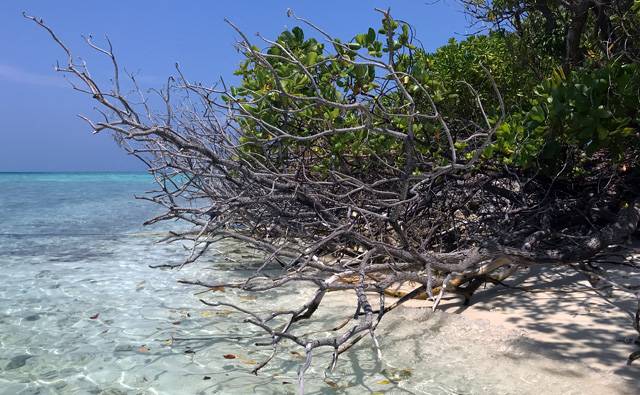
{"x":82,"y":313}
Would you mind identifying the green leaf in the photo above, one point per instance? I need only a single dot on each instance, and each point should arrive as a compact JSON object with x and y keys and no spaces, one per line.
{"x":371,"y":36}
{"x":361,"y":70}
{"x":298,"y":34}
{"x":603,"y":133}
{"x":312,"y":57}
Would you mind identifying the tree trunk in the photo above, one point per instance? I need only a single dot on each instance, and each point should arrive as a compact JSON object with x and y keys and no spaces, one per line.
{"x":573,"y":55}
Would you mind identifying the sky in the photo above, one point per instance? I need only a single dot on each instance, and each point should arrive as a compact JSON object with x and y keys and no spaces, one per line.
{"x":40,"y":129}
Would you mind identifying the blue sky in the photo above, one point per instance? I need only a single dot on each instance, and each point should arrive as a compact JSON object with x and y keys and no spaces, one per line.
{"x":40,"y":130}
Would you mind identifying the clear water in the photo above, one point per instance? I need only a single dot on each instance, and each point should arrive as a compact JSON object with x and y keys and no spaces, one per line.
{"x":82,"y":313}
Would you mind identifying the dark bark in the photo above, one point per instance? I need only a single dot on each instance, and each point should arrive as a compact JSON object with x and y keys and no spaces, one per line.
{"x":579,"y":14}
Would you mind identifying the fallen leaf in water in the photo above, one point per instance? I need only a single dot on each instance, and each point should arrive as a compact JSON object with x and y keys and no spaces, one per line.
{"x":224,"y":313}
{"x":383,"y":382}
{"x":220,"y":313}
{"x":176,"y":322}
{"x":95,"y":316}
{"x":286,"y":382}
{"x":229,"y":356}
{"x":331,"y":384}
{"x":143,"y":348}
{"x":396,"y":375}
{"x":248,"y":297}
{"x":248,"y":361}
{"x":219,"y":288}
{"x":206,"y":378}
{"x":296,"y":354}
{"x":405,"y":373}
{"x":168,"y":342}
{"x":189,"y":352}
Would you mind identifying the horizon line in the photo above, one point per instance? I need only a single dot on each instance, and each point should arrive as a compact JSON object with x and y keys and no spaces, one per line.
{"x":69,"y":171}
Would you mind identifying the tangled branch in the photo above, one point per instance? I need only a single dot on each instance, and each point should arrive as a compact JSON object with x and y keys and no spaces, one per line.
{"x":409,"y":200}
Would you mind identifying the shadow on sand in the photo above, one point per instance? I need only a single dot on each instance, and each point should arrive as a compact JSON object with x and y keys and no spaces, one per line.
{"x":564,"y":318}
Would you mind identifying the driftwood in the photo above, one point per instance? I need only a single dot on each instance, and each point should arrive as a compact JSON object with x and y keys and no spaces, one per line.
{"x":449,"y":227}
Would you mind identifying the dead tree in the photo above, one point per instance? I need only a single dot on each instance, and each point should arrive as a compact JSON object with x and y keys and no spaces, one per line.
{"x":367,"y":221}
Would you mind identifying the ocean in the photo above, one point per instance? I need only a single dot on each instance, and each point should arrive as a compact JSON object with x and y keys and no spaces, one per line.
{"x":81,"y":312}
{"x":80,"y":309}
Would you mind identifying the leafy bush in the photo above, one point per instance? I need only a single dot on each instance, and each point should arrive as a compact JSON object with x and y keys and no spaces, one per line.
{"x":590,"y":110}
{"x":550,"y":120}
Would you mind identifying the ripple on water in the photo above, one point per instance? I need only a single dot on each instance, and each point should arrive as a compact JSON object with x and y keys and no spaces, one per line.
{"x":127,"y":346}
{"x":81,"y":312}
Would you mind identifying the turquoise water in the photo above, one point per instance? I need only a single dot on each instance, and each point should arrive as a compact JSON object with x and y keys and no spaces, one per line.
{"x":82,"y":313}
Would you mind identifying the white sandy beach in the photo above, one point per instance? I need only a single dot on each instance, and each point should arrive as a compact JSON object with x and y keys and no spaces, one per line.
{"x":562,"y":317}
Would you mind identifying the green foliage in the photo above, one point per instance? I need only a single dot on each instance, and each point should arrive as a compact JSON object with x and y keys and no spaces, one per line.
{"x":280,"y":87}
{"x":593,"y":109}
{"x":474,"y":62}
{"x":590,"y":110}
{"x":565,"y":31}
{"x":551,"y":114}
